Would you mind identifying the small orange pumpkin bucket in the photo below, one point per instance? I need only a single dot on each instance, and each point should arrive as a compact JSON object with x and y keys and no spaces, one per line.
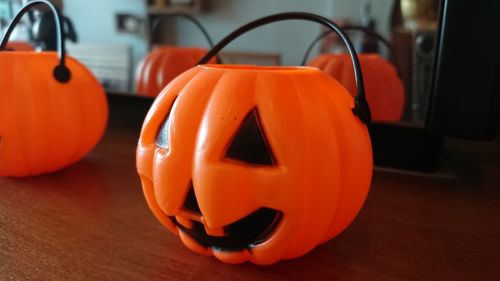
{"x":384,"y":89}
{"x":52,"y":109}
{"x":20,"y":46}
{"x":255,"y":163}
{"x":164,"y":62}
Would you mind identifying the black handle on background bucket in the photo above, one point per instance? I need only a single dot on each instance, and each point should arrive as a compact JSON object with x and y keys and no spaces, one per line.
{"x":61,"y":71}
{"x":363,"y":29}
{"x":361,"y":107}
{"x":192,"y":19}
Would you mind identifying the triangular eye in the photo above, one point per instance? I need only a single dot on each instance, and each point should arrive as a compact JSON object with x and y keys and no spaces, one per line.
{"x":162,"y":136}
{"x":249,"y":144}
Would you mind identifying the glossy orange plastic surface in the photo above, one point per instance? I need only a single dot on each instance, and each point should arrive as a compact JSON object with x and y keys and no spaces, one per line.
{"x":162,"y":65}
{"x":20,"y":46}
{"x":46,"y":125}
{"x":384,"y":89}
{"x":314,"y":186}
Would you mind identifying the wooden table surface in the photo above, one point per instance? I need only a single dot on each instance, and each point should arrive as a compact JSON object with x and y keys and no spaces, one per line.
{"x":91,"y":222}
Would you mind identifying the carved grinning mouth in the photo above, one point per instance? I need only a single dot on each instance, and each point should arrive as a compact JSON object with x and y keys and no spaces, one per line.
{"x":242,"y":234}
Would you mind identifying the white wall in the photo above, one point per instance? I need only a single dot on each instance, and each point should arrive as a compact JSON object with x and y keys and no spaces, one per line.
{"x":94,"y":22}
{"x":290,"y":38}
{"x":97,"y":24}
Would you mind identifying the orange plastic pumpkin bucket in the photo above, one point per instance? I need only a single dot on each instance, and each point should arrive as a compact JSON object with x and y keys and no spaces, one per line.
{"x":164,"y":62}
{"x":384,"y":89}
{"x":20,"y":46}
{"x":254,"y":163}
{"x":53,"y":110}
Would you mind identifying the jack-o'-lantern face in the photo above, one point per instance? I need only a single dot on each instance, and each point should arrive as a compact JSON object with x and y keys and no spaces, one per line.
{"x":254,"y":163}
{"x":248,"y":147}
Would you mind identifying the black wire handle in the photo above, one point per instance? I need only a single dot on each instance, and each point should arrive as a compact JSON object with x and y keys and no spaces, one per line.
{"x":365,"y":30}
{"x":192,"y":19}
{"x":61,"y":71}
{"x":361,"y":108}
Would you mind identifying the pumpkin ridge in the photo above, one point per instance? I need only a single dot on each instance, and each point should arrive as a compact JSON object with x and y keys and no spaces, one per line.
{"x":33,"y":159}
{"x":350,"y":209}
{"x":138,"y":82}
{"x":341,"y":188}
{"x":48,"y":95}
{"x":87,"y":138}
{"x":296,"y":243}
{"x":192,"y":81}
{"x":395,"y":88}
{"x":337,"y":73}
{"x":320,"y":104}
{"x":75,"y":155}
{"x":159,"y":79}
{"x":213,"y":91}
{"x":156,"y":65}
{"x":324,"y":64}
{"x":213,"y":88}
{"x":20,"y":135}
{"x":345,"y":74}
{"x":149,"y":65}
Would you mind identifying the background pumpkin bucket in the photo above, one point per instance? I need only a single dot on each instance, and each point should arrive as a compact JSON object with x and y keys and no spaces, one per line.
{"x":164,"y":62}
{"x":53,"y":110}
{"x":20,"y":46}
{"x":384,"y":89}
{"x":255,"y":163}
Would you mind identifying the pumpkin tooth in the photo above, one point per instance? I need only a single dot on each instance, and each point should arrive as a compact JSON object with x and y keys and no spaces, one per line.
{"x":187,"y":223}
{"x":215,"y":231}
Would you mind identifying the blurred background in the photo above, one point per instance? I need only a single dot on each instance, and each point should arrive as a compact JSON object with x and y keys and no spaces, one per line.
{"x":112,"y":37}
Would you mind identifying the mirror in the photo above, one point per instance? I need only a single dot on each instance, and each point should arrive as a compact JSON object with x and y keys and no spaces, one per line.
{"x":112,"y":37}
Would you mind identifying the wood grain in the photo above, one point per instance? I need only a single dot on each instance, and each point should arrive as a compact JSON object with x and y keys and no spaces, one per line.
{"x":91,"y":222}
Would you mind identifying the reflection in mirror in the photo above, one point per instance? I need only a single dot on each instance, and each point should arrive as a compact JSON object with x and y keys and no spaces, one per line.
{"x":384,"y":88}
{"x":114,"y":36}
